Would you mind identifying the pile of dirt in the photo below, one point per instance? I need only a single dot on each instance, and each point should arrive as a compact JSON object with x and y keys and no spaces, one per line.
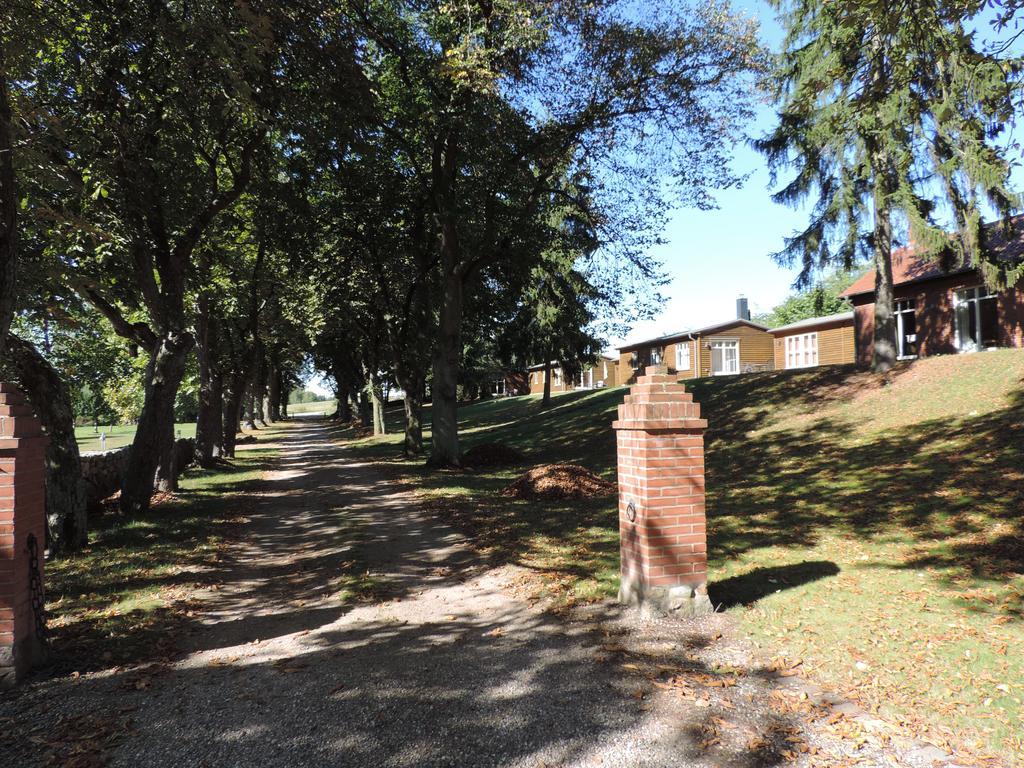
{"x":552,"y":482}
{"x":491,"y":455}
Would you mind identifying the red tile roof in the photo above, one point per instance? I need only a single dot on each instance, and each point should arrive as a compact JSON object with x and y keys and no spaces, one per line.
{"x":906,"y":268}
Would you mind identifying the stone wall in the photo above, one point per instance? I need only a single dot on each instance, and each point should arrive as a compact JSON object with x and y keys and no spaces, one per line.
{"x":102,"y":471}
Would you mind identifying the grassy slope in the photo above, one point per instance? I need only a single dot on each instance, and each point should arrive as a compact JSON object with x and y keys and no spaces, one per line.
{"x":871,"y":529}
{"x":319,"y":406}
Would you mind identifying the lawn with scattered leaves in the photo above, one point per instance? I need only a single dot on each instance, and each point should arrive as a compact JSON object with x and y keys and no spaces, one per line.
{"x":119,"y":599}
{"x":868,"y":528}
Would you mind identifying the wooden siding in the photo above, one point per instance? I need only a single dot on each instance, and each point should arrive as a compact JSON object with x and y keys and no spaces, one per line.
{"x":536,"y":380}
{"x":670,"y":359}
{"x":756,"y":347}
{"x":836,"y":344}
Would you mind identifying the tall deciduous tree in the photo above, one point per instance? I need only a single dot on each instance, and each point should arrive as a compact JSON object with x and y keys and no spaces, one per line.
{"x":887,"y":113}
{"x":162,"y":108}
{"x":508,"y":96}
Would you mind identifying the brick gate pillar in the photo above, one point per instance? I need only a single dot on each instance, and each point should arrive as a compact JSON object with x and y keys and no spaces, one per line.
{"x":22,"y":519}
{"x":662,"y":527}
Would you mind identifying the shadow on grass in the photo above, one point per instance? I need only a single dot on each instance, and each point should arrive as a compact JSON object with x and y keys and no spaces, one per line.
{"x":761,"y":582}
{"x":474,"y":687}
{"x":116,"y":600}
{"x":787,"y":465}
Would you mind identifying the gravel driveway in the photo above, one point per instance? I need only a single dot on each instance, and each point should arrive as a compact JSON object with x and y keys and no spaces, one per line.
{"x":355,"y":630}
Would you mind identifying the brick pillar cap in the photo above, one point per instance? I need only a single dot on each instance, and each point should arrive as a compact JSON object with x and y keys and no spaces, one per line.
{"x":658,"y":402}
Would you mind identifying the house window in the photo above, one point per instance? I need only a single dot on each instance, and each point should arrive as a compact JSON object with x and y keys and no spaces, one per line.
{"x":556,"y":376}
{"x":725,"y":358}
{"x":977,"y":319}
{"x":683,"y":356}
{"x":656,"y":357}
{"x":634,"y":360}
{"x":906,"y":329}
{"x":498,"y":387}
{"x":802,"y":350}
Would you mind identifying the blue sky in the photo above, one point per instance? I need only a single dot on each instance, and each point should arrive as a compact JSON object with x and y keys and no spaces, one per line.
{"x":714,"y":256}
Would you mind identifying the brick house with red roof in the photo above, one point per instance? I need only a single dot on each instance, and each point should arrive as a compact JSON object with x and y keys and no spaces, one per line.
{"x":943,"y":311}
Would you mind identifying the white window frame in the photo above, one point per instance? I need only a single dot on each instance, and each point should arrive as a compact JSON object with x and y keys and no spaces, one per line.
{"x":971,"y":298}
{"x":802,"y":350}
{"x":499,"y":387}
{"x":683,"y":356}
{"x":735,"y":343}
{"x":900,"y":314}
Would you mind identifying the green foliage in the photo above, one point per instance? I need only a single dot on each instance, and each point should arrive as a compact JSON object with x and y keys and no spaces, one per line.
{"x":890,"y":114}
{"x":502,"y":202}
{"x":821,"y":299}
{"x":305,"y":396}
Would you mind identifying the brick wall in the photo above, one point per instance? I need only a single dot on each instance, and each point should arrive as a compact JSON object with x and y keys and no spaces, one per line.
{"x":662,"y":524}
{"x":22,"y":515}
{"x":936,"y":321}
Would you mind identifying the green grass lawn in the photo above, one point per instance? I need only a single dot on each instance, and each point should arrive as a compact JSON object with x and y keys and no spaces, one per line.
{"x":322,"y":406}
{"x":88,"y":437}
{"x":119,"y":435}
{"x":868,"y":527}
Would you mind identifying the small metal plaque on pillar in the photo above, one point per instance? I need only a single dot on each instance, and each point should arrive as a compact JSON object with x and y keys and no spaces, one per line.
{"x":660,"y":440}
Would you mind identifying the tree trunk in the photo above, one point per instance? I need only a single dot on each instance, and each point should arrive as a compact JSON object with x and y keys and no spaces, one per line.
{"x":259,"y":389}
{"x":232,"y":413}
{"x":151,"y":464}
{"x":884,"y":356}
{"x":546,"y":400}
{"x":66,"y":520}
{"x":286,"y":393}
{"x":210,"y":424}
{"x":274,"y":395}
{"x":376,"y":392}
{"x":209,"y":429}
{"x":258,"y":414}
{"x":365,"y":411}
{"x":413,"y":444}
{"x":8,"y":207}
{"x":344,"y":413}
{"x":883,"y":177}
{"x":444,"y":409}
{"x":413,"y":384}
{"x":218,"y":417}
{"x":249,"y":399}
